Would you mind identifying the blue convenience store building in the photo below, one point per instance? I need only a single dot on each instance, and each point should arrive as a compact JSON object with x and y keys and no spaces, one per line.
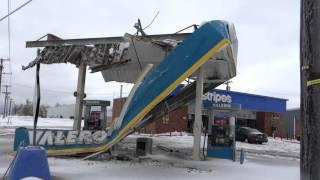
{"x":264,"y":113}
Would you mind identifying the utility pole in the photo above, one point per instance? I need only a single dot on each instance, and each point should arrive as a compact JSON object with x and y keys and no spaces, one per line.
{"x":310,"y":89}
{"x":1,"y":70}
{"x":294,"y":127}
{"x":6,"y":96}
{"x":227,"y":83}
{"x":9,"y":110}
{"x":10,"y":106}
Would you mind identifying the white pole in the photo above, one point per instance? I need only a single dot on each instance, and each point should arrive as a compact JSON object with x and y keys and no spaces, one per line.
{"x":121,"y":86}
{"x":80,"y":96}
{"x":197,"y":125}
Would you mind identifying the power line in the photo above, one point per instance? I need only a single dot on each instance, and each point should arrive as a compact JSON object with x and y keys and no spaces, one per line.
{"x":9,"y":33}
{"x":65,"y":92}
{"x":17,"y":9}
{"x":31,"y":87}
{"x":151,"y":21}
{"x":9,"y":72}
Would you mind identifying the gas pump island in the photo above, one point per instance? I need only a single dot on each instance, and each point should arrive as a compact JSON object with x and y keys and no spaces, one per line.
{"x":221,"y":136}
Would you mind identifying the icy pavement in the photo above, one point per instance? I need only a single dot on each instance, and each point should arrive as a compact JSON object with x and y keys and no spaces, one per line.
{"x":279,"y":145}
{"x":166,"y":167}
{"x":262,"y":161}
{"x":274,"y":148}
{"x":161,"y":165}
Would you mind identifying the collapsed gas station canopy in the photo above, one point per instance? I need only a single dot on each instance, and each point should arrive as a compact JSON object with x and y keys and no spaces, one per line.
{"x":118,"y":58}
{"x":212,"y":48}
{"x":122,"y":59}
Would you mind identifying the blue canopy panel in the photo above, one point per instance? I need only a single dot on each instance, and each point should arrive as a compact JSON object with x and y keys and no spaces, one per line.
{"x":176,"y":67}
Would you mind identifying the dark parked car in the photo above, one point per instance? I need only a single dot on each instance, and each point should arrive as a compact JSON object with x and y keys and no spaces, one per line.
{"x":251,"y":135}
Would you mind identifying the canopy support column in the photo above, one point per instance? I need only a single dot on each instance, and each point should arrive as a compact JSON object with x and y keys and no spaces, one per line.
{"x":197,"y":125}
{"x":79,"y":96}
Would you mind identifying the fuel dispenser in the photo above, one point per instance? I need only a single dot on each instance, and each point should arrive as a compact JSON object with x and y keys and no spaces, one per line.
{"x":95,"y":114}
{"x":221,"y":136}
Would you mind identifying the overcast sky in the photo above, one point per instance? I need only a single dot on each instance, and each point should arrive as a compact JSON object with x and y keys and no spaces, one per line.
{"x":268,"y":34}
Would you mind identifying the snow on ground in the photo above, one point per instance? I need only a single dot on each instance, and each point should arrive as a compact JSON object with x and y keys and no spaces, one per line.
{"x":167,"y":167}
{"x":279,"y":147}
{"x":27,"y":121}
{"x":261,"y":159}
{"x":162,"y":165}
{"x":274,"y":147}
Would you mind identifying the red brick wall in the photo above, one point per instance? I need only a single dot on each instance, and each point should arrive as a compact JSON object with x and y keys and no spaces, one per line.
{"x":265,"y":121}
{"x":150,"y":128}
{"x":261,"y":122}
{"x":117,"y":106}
{"x":177,"y":120}
{"x":298,"y":128}
{"x":280,"y":124}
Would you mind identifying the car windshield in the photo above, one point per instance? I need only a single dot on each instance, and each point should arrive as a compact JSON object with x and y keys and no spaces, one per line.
{"x":251,"y":130}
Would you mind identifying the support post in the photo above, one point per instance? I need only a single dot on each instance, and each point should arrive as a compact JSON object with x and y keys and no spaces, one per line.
{"x":5,"y":106}
{"x":79,"y":96}
{"x":6,"y":95}
{"x":310,"y":89}
{"x":121,"y":88}
{"x":197,"y":125}
{"x":10,"y":107}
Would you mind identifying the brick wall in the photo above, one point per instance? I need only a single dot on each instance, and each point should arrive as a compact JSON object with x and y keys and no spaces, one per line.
{"x":175,"y":121}
{"x":265,"y":120}
{"x":117,"y":106}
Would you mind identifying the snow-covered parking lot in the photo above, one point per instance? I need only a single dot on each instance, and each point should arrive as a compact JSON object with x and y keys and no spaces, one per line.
{"x":277,"y":159}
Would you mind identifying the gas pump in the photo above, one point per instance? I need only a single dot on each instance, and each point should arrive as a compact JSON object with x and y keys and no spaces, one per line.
{"x":95,"y":114}
{"x":221,"y":136}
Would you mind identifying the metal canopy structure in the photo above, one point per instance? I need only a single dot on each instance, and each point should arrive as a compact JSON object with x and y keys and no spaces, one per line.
{"x":101,"y":40}
{"x":117,"y":58}
{"x":122,"y":57}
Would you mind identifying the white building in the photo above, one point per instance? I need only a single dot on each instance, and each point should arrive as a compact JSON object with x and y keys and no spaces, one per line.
{"x":64,"y":111}
{"x":67,"y":111}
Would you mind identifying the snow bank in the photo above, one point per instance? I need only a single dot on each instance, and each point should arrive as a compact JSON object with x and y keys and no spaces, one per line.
{"x":27,"y":121}
{"x":166,"y":167}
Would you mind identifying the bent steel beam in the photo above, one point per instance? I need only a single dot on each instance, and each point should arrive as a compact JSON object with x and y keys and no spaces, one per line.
{"x":102,"y":40}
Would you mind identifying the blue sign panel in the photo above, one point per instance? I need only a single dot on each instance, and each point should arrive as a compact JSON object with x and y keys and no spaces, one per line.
{"x":230,"y":99}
